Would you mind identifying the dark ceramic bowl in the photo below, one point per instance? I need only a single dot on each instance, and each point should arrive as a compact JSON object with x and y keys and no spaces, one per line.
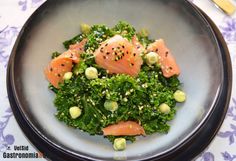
{"x":195,"y":41}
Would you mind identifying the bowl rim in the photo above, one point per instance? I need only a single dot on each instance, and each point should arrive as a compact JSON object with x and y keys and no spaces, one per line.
{"x":62,"y":154}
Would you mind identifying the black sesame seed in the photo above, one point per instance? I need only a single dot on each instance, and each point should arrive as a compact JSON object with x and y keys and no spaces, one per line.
{"x":167,"y":53}
{"x":123,"y":54}
{"x":127,"y":52}
{"x":138,"y":47}
{"x":62,"y":65}
{"x":132,"y":64}
{"x":108,"y":53}
{"x":118,"y":47}
{"x":134,"y":54}
{"x":58,"y":75}
{"x":170,"y":68}
{"x":156,"y":50}
{"x":51,"y":69}
{"x":106,"y":44}
{"x":123,"y":46}
{"x":104,"y":57}
{"x":112,"y":48}
{"x":116,"y":53}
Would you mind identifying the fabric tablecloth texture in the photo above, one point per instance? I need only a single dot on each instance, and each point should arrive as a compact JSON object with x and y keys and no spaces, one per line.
{"x":14,"y":13}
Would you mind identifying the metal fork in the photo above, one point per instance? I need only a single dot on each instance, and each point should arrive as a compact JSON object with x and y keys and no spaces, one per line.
{"x":225,"y":5}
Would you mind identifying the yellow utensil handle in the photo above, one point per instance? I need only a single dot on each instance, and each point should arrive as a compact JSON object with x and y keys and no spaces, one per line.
{"x":226,"y":6}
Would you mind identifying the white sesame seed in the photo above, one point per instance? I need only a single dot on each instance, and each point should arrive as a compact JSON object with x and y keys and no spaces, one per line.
{"x":140,"y":107}
{"x":127,"y":93}
{"x":144,"y":85}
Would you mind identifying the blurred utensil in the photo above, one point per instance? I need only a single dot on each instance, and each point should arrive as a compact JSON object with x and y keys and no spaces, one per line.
{"x":225,"y":5}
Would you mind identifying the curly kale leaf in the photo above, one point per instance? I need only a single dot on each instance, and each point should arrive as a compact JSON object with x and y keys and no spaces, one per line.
{"x":144,"y":40}
{"x":124,"y":29}
{"x":97,"y":35}
{"x":55,"y":54}
{"x":74,"y":40}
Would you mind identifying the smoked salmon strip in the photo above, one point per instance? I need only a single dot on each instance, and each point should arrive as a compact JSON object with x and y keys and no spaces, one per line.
{"x":168,"y":63}
{"x":72,"y":54}
{"x":124,"y":128}
{"x":56,"y":69}
{"x":79,"y":46}
{"x":119,"y":56}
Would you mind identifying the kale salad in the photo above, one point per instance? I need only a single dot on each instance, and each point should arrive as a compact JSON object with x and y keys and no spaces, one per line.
{"x":115,"y":82}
